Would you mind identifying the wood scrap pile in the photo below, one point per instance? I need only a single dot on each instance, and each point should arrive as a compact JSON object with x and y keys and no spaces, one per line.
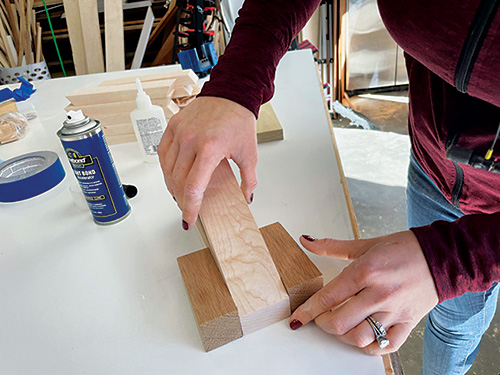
{"x":113,"y":100}
{"x":20,"y":34}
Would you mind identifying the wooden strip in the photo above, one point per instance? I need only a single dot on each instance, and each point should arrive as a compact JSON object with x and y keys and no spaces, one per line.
{"x":122,"y":138}
{"x":120,"y":93}
{"x":38,"y":54}
{"x":213,"y":308}
{"x":166,"y":52}
{"x":113,"y":35}
{"x":182,"y":78}
{"x":241,"y":253}
{"x":299,"y":275}
{"x":8,"y":51}
{"x":143,"y":39}
{"x":12,"y":21}
{"x":98,"y":110}
{"x":169,"y":16}
{"x":74,"y":24}
{"x":268,"y":126}
{"x":91,"y":32}
{"x":117,"y":129}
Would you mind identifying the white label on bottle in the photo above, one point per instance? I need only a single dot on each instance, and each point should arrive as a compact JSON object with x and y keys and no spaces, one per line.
{"x":151,"y":132}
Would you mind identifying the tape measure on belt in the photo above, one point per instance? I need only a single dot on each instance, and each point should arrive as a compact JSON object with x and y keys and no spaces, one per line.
{"x":26,"y":176}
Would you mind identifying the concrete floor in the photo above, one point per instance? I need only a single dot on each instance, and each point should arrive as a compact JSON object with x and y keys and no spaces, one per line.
{"x":391,"y":116}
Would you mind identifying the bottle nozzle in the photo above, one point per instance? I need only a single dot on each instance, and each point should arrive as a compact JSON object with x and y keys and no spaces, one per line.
{"x":143,"y":100}
{"x":140,"y":91}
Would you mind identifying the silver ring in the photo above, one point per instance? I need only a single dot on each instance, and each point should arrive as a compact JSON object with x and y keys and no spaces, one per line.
{"x":379,"y":331}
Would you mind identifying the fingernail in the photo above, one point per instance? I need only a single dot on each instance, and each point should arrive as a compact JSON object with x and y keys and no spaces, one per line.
{"x":251,"y":198}
{"x":185,"y":225}
{"x":309,"y":238}
{"x":295,"y":324}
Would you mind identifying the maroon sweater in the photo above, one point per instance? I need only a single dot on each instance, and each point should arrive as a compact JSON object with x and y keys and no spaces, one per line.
{"x":463,"y":255}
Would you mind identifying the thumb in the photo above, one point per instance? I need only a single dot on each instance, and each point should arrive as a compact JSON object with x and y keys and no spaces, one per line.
{"x":248,"y":173}
{"x":340,"y":249}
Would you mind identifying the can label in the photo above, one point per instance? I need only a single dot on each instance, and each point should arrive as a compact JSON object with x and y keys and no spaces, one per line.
{"x":95,"y":170}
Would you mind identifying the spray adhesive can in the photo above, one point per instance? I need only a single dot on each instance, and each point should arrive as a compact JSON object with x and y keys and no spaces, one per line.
{"x":88,"y":153}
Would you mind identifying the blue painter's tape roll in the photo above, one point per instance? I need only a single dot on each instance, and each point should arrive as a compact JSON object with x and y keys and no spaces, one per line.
{"x":29,"y":175}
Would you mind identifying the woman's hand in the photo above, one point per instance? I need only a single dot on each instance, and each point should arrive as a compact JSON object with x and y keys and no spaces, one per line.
{"x":208,"y":130}
{"x":388,"y":279}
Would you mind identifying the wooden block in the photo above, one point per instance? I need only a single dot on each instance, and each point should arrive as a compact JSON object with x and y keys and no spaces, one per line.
{"x":113,"y":35}
{"x":183,"y":91}
{"x":117,"y":129}
{"x":182,"y":78}
{"x":213,"y":308}
{"x":8,"y":106}
{"x":120,"y":93}
{"x":268,"y":126}
{"x":121,"y":138}
{"x":98,"y":110}
{"x":91,"y":33}
{"x":299,"y":274}
{"x":74,"y":24}
{"x":241,"y":253}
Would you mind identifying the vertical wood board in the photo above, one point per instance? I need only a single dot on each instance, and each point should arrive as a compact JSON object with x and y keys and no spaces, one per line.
{"x":113,"y":35}
{"x":91,"y":33}
{"x":213,"y":308}
{"x":241,"y":253}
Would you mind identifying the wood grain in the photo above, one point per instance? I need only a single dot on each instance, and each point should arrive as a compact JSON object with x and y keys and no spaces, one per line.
{"x":99,"y":110}
{"x":268,"y":126}
{"x":213,"y":308}
{"x":120,"y":93}
{"x":241,"y":253}
{"x":113,"y":35}
{"x":299,"y":274}
{"x":182,"y":78}
{"x":91,"y":33}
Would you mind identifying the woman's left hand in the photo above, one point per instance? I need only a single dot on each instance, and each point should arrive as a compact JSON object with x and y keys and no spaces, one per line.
{"x":388,"y":279}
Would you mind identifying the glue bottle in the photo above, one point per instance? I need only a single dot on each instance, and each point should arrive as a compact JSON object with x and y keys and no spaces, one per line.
{"x":149,"y":124}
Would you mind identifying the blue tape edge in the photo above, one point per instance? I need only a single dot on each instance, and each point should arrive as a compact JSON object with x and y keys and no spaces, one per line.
{"x":29,"y":187}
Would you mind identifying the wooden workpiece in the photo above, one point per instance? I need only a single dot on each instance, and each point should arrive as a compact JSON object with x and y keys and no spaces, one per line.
{"x":98,"y":110}
{"x":268,"y":126}
{"x":211,"y":302}
{"x":120,"y":93}
{"x":91,"y":33}
{"x":114,"y":35}
{"x":241,"y":253}
{"x":213,"y":308}
{"x":182,"y":78}
{"x":299,"y":274}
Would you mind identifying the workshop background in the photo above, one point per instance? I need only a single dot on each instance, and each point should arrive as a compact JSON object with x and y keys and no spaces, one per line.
{"x":361,"y":67}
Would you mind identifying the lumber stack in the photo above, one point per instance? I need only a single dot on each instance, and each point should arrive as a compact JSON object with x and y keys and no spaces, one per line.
{"x":20,"y":34}
{"x":113,"y":100}
{"x":247,"y":278}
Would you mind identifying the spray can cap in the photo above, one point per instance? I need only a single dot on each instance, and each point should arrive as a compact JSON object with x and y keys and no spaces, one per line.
{"x":143,"y":100}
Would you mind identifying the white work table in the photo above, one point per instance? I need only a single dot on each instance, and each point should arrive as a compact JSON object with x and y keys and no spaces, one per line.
{"x":79,"y":298}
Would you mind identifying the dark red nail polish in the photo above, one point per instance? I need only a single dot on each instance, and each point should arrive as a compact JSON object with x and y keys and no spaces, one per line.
{"x":185,"y":225}
{"x":251,"y":198}
{"x":309,"y":238}
{"x":295,"y":324}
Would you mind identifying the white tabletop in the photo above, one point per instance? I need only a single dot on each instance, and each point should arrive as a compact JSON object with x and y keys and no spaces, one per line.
{"x":78,"y":298}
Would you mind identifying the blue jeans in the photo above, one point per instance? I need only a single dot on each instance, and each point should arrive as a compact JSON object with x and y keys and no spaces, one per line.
{"x":454,"y":328}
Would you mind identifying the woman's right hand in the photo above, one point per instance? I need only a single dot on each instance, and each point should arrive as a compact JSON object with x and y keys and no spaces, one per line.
{"x":206,"y":131}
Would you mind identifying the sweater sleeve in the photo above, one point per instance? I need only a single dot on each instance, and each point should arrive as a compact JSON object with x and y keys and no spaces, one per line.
{"x":261,"y":36}
{"x":463,"y":256}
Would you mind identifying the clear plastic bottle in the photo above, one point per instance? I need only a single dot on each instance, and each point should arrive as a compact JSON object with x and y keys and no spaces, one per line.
{"x":149,"y":124}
